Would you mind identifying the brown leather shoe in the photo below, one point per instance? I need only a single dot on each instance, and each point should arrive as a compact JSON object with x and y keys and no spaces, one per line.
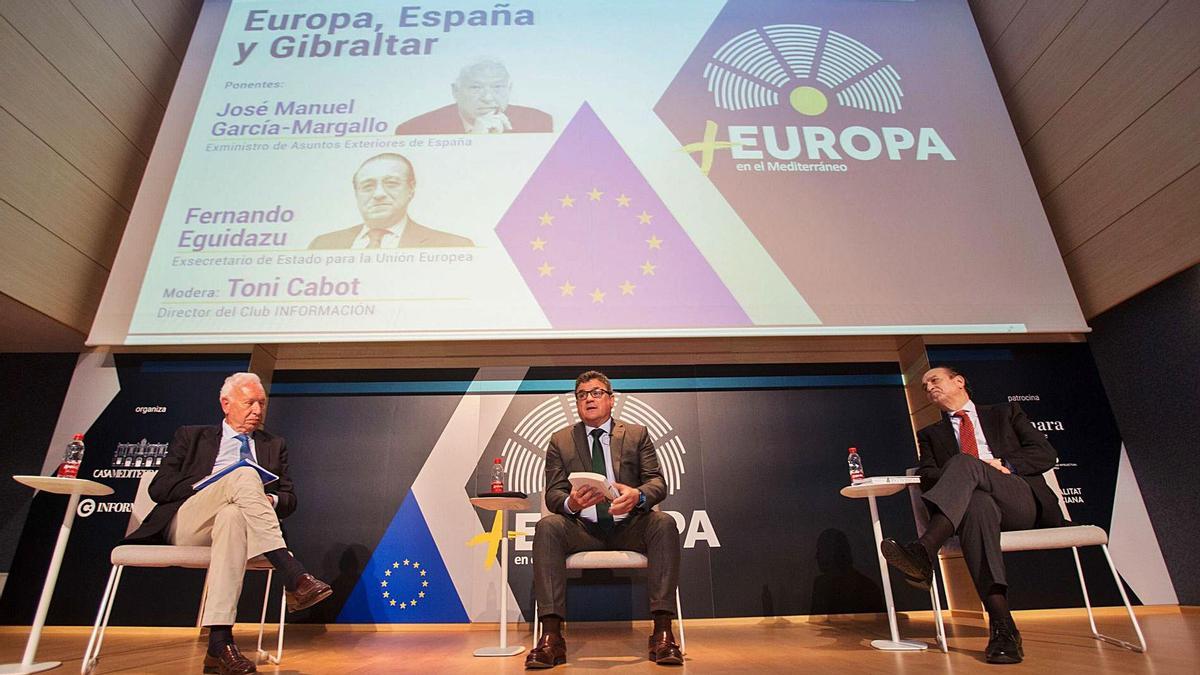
{"x":664,"y":650}
{"x":551,"y":650}
{"x":229,"y":662}
{"x":309,"y":591}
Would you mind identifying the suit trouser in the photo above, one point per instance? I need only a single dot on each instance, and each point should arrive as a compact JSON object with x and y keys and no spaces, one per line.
{"x":557,"y":536}
{"x":235,"y":517}
{"x":981,"y":502}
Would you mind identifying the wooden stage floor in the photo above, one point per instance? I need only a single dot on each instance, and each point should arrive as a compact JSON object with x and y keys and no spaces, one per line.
{"x":1056,"y":640}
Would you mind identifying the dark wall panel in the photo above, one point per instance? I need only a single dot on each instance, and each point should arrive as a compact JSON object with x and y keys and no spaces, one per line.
{"x":1148,"y":352}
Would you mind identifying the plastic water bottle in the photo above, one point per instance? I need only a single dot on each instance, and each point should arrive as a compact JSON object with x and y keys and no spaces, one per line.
{"x":856,"y":468}
{"x":498,"y":475}
{"x":72,"y":458}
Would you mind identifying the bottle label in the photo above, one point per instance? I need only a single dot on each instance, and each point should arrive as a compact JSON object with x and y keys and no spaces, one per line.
{"x":497,"y":486}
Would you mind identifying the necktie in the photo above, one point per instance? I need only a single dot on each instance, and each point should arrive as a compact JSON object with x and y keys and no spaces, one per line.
{"x":603,"y":518}
{"x":245,"y":451}
{"x":966,"y":434}
{"x":375,"y":237}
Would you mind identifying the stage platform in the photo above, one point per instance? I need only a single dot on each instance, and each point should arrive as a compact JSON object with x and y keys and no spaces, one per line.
{"x":1055,"y":640}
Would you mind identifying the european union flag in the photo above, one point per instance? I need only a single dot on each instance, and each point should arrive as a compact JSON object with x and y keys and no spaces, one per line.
{"x":599,"y":249}
{"x":405,"y":581}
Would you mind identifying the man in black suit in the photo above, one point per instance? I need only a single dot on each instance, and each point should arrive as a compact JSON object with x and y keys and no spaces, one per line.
{"x":236,"y":515}
{"x":583,"y":518}
{"x":981,"y":473}
{"x":384,"y":186}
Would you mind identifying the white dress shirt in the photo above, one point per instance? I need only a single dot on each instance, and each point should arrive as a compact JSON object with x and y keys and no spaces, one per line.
{"x":389,"y":240}
{"x":984,"y":453}
{"x":229,"y":452}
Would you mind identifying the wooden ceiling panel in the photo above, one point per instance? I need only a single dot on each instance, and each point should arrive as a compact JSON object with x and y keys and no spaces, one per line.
{"x":64,"y":38}
{"x":131,"y":37}
{"x":1096,"y":32}
{"x":1030,"y":33}
{"x":32,"y":91}
{"x":173,"y":20}
{"x":23,"y":329}
{"x":1149,"y":155}
{"x":46,"y":273}
{"x":993,"y":17}
{"x":1152,"y":63}
{"x":1151,"y":243}
{"x":47,"y":189}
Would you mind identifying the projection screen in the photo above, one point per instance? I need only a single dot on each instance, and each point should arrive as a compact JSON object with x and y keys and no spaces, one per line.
{"x":371,"y":170}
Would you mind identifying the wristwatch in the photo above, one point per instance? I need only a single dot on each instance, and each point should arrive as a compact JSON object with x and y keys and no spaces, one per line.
{"x":641,"y":500}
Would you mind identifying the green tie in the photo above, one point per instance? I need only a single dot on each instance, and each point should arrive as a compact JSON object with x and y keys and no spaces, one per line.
{"x":603,"y":519}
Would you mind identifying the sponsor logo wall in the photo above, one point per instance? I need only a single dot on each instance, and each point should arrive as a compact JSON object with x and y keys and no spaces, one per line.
{"x":385,"y":463}
{"x":150,"y":397}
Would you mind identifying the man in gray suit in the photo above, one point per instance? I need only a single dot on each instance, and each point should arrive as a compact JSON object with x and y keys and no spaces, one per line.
{"x":583,"y":519}
{"x":384,"y":186}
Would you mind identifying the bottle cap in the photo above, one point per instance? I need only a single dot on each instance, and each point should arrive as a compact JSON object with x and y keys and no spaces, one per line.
{"x":853,"y":450}
{"x":498,"y":460}
{"x":78,"y":437}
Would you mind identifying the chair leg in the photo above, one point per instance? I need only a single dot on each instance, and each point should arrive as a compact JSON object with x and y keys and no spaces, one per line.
{"x":936,"y":601}
{"x":91,"y":656}
{"x":537,"y":624}
{"x":282,"y":623}
{"x":264,"y":656}
{"x":1128,"y":609}
{"x":679,"y":615}
{"x":203,"y":599}
{"x":1083,"y":587}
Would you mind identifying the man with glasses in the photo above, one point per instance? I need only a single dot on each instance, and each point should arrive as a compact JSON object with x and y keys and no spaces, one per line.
{"x":480,"y":106}
{"x":583,"y":519}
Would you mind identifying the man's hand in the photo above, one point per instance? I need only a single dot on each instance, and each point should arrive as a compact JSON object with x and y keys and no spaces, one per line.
{"x":998,"y":465}
{"x":583,"y":497}
{"x":625,"y":503}
{"x":491,"y":123}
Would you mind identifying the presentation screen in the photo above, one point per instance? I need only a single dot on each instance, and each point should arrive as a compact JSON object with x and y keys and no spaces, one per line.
{"x":378,"y":170}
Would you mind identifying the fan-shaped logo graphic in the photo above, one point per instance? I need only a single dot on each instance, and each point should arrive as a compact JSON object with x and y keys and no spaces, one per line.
{"x":802,"y":66}
{"x":525,"y":449}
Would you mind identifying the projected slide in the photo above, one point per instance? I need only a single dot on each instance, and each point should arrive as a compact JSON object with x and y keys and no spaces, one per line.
{"x":373,"y":170}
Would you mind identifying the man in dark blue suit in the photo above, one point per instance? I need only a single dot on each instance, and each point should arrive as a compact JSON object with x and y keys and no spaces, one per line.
{"x":981,"y":472}
{"x":236,"y":514}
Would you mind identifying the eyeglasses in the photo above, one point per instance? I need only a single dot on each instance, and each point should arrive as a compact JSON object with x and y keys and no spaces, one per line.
{"x":594,"y":393}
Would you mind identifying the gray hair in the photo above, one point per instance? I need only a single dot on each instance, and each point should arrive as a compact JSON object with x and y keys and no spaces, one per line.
{"x":238,"y":380}
{"x":481,"y":63}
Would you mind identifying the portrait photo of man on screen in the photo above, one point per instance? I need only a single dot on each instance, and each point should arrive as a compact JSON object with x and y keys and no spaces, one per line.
{"x":481,"y":93}
{"x":384,"y":186}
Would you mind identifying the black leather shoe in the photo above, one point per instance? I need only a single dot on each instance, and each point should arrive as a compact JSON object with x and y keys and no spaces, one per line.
{"x":228,"y":662}
{"x":309,"y":591}
{"x":551,"y":650}
{"x":911,"y":559}
{"x":1004,"y":645}
{"x":663,"y":649}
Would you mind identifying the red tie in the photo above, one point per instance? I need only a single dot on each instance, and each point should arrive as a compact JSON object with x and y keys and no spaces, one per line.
{"x":966,"y":434}
{"x":375,"y":236}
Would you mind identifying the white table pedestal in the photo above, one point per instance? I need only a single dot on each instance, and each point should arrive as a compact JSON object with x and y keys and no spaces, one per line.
{"x":870,"y":492}
{"x":75,"y":487}
{"x":503,"y":505}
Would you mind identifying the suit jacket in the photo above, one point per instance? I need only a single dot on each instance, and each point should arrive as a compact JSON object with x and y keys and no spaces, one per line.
{"x":446,"y":120}
{"x":414,"y":236}
{"x":190,"y":458}
{"x":630,"y":450}
{"x":1010,"y":437}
